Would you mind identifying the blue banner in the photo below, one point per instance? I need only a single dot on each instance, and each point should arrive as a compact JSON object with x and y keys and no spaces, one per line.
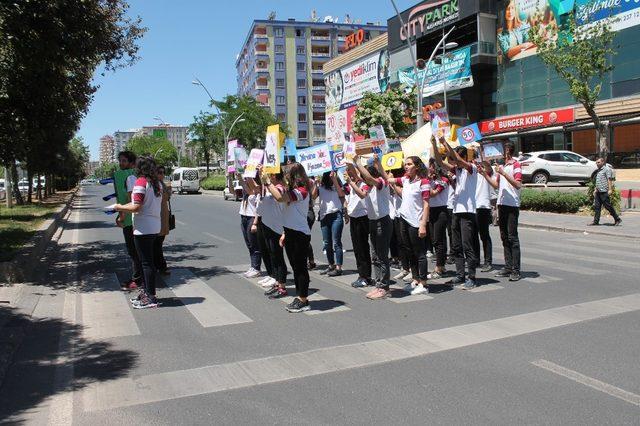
{"x":626,"y":13}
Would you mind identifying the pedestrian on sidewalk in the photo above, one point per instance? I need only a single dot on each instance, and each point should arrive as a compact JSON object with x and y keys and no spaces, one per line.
{"x":331,"y":196}
{"x":249,"y":231}
{"x":508,"y":183}
{"x":602,"y":193}
{"x":483,"y":213}
{"x":146,"y":207}
{"x":297,"y":234}
{"x":165,"y":213}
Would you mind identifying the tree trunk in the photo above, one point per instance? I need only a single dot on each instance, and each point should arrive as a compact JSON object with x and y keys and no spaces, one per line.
{"x":602,"y":133}
{"x":39,"y":189}
{"x":16,"y":191}
{"x":207,"y":159}
{"x":29,"y":186}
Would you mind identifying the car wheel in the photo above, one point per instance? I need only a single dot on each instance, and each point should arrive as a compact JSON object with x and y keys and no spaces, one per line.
{"x":541,"y":178}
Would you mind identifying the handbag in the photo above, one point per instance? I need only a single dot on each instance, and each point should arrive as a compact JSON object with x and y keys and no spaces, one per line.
{"x":172,"y":218}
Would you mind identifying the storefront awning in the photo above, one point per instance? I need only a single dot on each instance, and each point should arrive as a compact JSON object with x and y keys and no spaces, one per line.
{"x":541,"y":130}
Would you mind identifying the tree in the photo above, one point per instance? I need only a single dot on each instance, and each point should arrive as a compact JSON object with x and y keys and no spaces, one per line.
{"x":161,"y":149}
{"x":206,"y":136}
{"x":388,"y":109}
{"x":580,"y":54}
{"x":105,"y":170}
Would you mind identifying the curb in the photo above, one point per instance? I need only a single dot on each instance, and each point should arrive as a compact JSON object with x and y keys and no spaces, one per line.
{"x":211,"y":192}
{"x":575,"y":231}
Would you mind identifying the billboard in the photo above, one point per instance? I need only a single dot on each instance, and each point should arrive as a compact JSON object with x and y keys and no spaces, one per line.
{"x":626,"y":13}
{"x":160,"y":133}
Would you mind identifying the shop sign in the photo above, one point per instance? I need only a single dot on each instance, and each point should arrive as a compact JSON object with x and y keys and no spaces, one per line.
{"x":354,"y":39}
{"x":535,"y":119}
{"x":625,"y":14}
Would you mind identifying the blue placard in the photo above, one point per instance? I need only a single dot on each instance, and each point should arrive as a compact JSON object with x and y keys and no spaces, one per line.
{"x":468,"y":134}
{"x":290,"y":147}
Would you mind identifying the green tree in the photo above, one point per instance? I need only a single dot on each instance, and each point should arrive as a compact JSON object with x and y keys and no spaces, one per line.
{"x":388,"y":109}
{"x":105,"y":170}
{"x":580,"y":55}
{"x":161,"y":149}
{"x":206,"y":136}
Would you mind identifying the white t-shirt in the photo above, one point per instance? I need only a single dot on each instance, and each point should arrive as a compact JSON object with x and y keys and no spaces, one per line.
{"x":295,"y":211}
{"x":394,"y":204}
{"x":413,"y":195}
{"x":147,"y":220}
{"x":356,"y":206}
{"x":465,"y":196}
{"x":483,"y":193}
{"x":441,"y":199}
{"x":451,"y":196}
{"x":507,"y":194}
{"x":130,"y":182}
{"x":248,"y":206}
{"x":271,"y":211}
{"x":377,"y":199}
{"x":329,"y":201}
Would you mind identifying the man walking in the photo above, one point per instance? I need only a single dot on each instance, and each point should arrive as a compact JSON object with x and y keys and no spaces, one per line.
{"x":604,"y":189}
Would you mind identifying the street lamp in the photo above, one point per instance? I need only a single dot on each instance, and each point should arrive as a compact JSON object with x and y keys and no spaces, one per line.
{"x":450,"y":45}
{"x":162,"y":122}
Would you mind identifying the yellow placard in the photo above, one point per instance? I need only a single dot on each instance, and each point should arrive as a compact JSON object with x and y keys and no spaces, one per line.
{"x":272,"y":149}
{"x":393,"y":161}
{"x":454,"y":133}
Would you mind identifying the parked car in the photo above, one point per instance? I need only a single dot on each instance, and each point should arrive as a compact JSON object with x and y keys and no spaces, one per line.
{"x":236,"y":194}
{"x":552,"y":166}
{"x":185,"y":179}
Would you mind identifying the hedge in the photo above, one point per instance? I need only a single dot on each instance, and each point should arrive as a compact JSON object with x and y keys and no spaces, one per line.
{"x":214,"y":182}
{"x":553,"y":201}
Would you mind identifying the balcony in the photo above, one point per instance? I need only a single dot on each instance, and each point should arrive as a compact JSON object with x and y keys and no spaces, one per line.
{"x":316,"y":71}
{"x":319,"y":105}
{"x":319,"y":122}
{"x":318,"y":88}
{"x":320,"y":37}
{"x":262,"y":86}
{"x":320,"y":55}
{"x":262,"y":70}
{"x":260,"y":36}
{"x":319,"y":138}
{"x":260,"y":52}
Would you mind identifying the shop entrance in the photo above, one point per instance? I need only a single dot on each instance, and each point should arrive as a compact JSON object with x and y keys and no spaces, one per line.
{"x":540,"y":142}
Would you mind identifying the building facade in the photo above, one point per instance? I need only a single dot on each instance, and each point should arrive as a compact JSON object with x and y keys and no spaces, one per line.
{"x":280,"y":64}
{"x":122,"y":139}
{"x":107,"y":149}
{"x":177,"y":135}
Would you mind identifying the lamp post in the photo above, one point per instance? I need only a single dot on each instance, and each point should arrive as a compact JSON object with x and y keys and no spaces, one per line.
{"x":450,"y":45}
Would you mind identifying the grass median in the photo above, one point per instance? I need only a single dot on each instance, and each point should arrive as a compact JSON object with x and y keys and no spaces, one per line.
{"x":19,"y":224}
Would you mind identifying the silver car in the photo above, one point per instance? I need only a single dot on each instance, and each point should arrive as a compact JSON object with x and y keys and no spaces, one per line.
{"x":552,"y":166}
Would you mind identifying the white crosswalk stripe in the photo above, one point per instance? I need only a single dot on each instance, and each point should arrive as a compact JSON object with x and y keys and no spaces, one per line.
{"x":601,"y":260}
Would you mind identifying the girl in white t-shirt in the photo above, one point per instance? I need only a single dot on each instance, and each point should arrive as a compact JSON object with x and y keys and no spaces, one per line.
{"x":438,"y":217}
{"x":331,"y":197}
{"x":249,"y":229}
{"x":358,"y":222}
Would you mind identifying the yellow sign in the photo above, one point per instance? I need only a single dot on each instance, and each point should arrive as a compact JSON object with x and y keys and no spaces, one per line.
{"x":392,"y":161}
{"x":272,"y":150}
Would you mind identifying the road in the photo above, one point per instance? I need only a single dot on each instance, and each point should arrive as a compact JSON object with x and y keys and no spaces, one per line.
{"x":559,"y":347}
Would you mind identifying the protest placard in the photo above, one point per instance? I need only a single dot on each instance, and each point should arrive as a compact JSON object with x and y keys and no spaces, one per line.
{"x":348,"y":148}
{"x":468,"y":134}
{"x":379,"y":143}
{"x":392,"y":161}
{"x":255,"y":158}
{"x":239,"y":159}
{"x":316,"y":159}
{"x":290,"y":147}
{"x":271,"y":148}
{"x":492,"y":151}
{"x":440,"y":125}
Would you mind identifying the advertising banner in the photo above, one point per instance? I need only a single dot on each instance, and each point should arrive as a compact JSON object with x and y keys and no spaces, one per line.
{"x":455,"y":70}
{"x":534,"y":119}
{"x":625,"y":12}
{"x":255,"y":158}
{"x":316,"y":159}
{"x":271,"y":148}
{"x":239,"y":159}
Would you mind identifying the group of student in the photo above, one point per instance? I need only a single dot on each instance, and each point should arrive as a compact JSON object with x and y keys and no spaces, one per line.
{"x":395,"y":219}
{"x":143,"y":214}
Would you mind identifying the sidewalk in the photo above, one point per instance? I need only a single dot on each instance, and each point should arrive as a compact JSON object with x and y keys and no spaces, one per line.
{"x":630,"y":227}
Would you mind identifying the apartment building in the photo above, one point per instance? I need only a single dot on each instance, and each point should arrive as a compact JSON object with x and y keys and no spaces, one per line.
{"x":107,"y":149}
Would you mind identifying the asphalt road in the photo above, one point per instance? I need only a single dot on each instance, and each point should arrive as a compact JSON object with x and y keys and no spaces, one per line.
{"x":559,"y":347}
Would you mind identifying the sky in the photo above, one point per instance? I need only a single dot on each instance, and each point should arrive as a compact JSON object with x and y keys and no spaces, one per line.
{"x":190,"y":38}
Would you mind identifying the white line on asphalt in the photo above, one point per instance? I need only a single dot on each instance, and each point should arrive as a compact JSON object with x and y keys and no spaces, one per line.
{"x":542,"y":279}
{"x":614,"y":391}
{"x":234,"y":375}
{"x":601,"y":260}
{"x":215,"y":237}
{"x":594,"y":248}
{"x":566,"y":267}
{"x":181,"y":223}
{"x":625,"y":244}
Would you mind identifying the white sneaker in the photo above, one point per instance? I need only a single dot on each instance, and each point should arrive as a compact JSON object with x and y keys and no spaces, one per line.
{"x":270,"y":282}
{"x":401,"y":275}
{"x":410,"y":287}
{"x":419,"y":290}
{"x":246,"y":274}
{"x":408,"y":278}
{"x":429,"y":254}
{"x":264,"y":280}
{"x":253,"y":274}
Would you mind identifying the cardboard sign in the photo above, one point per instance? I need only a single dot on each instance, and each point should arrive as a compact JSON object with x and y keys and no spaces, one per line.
{"x":255,"y":158}
{"x":492,"y":151}
{"x":290,"y":147}
{"x":418,"y":144}
{"x":392,"y":161}
{"x":468,"y":134}
{"x":239,"y":159}
{"x":337,"y":159}
{"x":394,"y":146}
{"x":379,"y":143}
{"x":440,"y":125}
{"x":348,"y":148}
{"x":316,"y":159}
{"x":271,"y":149}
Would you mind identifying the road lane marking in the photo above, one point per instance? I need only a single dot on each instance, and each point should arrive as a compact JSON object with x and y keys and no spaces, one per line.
{"x":603,"y":260}
{"x":614,"y":391}
{"x":105,"y":310}
{"x":627,"y":244}
{"x":181,"y":223}
{"x":207,"y":306}
{"x":542,"y":279}
{"x":235,"y":375}
{"x":594,"y":248}
{"x":579,"y":270}
{"x":215,"y":237}
{"x":482,"y":288}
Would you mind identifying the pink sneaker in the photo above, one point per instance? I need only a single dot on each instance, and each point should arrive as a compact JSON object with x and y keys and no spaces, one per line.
{"x":377,"y":294}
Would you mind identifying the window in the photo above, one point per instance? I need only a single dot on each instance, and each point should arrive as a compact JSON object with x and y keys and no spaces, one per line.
{"x":300,"y":50}
{"x":278,"y":32}
{"x":552,"y":157}
{"x":299,"y":33}
{"x":302,"y":118}
{"x":281,"y":116}
{"x":302,"y":100}
{"x":280,"y":83}
{"x":279,"y":66}
{"x":279,"y":48}
{"x":301,"y":66}
{"x":571,"y":157}
{"x":280,"y":100}
{"x":302,"y":83}
{"x":302,"y":134}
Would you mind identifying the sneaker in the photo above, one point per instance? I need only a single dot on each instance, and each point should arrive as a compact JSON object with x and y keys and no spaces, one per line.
{"x":487,"y":267}
{"x":377,"y":294}
{"x":264,"y":280}
{"x":593,"y":224}
{"x":429,"y":254}
{"x":618,"y":222}
{"x":146,"y":302}
{"x":311,"y":266}
{"x":408,"y":278}
{"x":400,"y":275}
{"x":334,"y":273}
{"x":254,"y":273}
{"x":455,"y":281}
{"x":137,"y":298}
{"x":419,"y":289}
{"x":468,"y":284}
{"x":298,"y":306}
{"x":503,"y":273}
{"x":271,"y":290}
{"x":360,"y":283}
{"x":435,"y":275}
{"x":411,"y":286}
{"x":515,"y":276}
{"x":269,"y":283}
{"x":395,"y":264}
{"x":450,"y":260}
{"x":249,"y":271}
{"x":129,"y":286}
{"x":279,"y":293}
{"x":327,"y":270}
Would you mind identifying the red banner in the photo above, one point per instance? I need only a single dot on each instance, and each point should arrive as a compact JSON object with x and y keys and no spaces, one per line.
{"x":524,"y":121}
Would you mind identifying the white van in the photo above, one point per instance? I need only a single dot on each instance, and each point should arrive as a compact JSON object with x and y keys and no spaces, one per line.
{"x":185,"y":179}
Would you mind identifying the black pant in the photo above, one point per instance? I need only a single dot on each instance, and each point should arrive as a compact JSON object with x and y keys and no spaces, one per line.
{"x":359,"y":228}
{"x":380,"y":231}
{"x":466,"y":246}
{"x":311,"y":218}
{"x":158,"y":254}
{"x":438,"y":223}
{"x":136,"y":266}
{"x":273,"y":252}
{"x":449,"y":232}
{"x":484,"y":221}
{"x":403,"y":249}
{"x":417,"y":253}
{"x":251,"y":241}
{"x":508,"y":221}
{"x":144,"y":247}
{"x":599,"y":200}
{"x":296,"y":244}
{"x":264,"y":249}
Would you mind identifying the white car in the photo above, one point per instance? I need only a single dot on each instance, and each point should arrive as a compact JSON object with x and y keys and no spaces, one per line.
{"x":543,"y":167}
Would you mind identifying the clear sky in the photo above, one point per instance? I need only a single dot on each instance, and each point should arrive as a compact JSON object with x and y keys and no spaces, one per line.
{"x":201,"y":38}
